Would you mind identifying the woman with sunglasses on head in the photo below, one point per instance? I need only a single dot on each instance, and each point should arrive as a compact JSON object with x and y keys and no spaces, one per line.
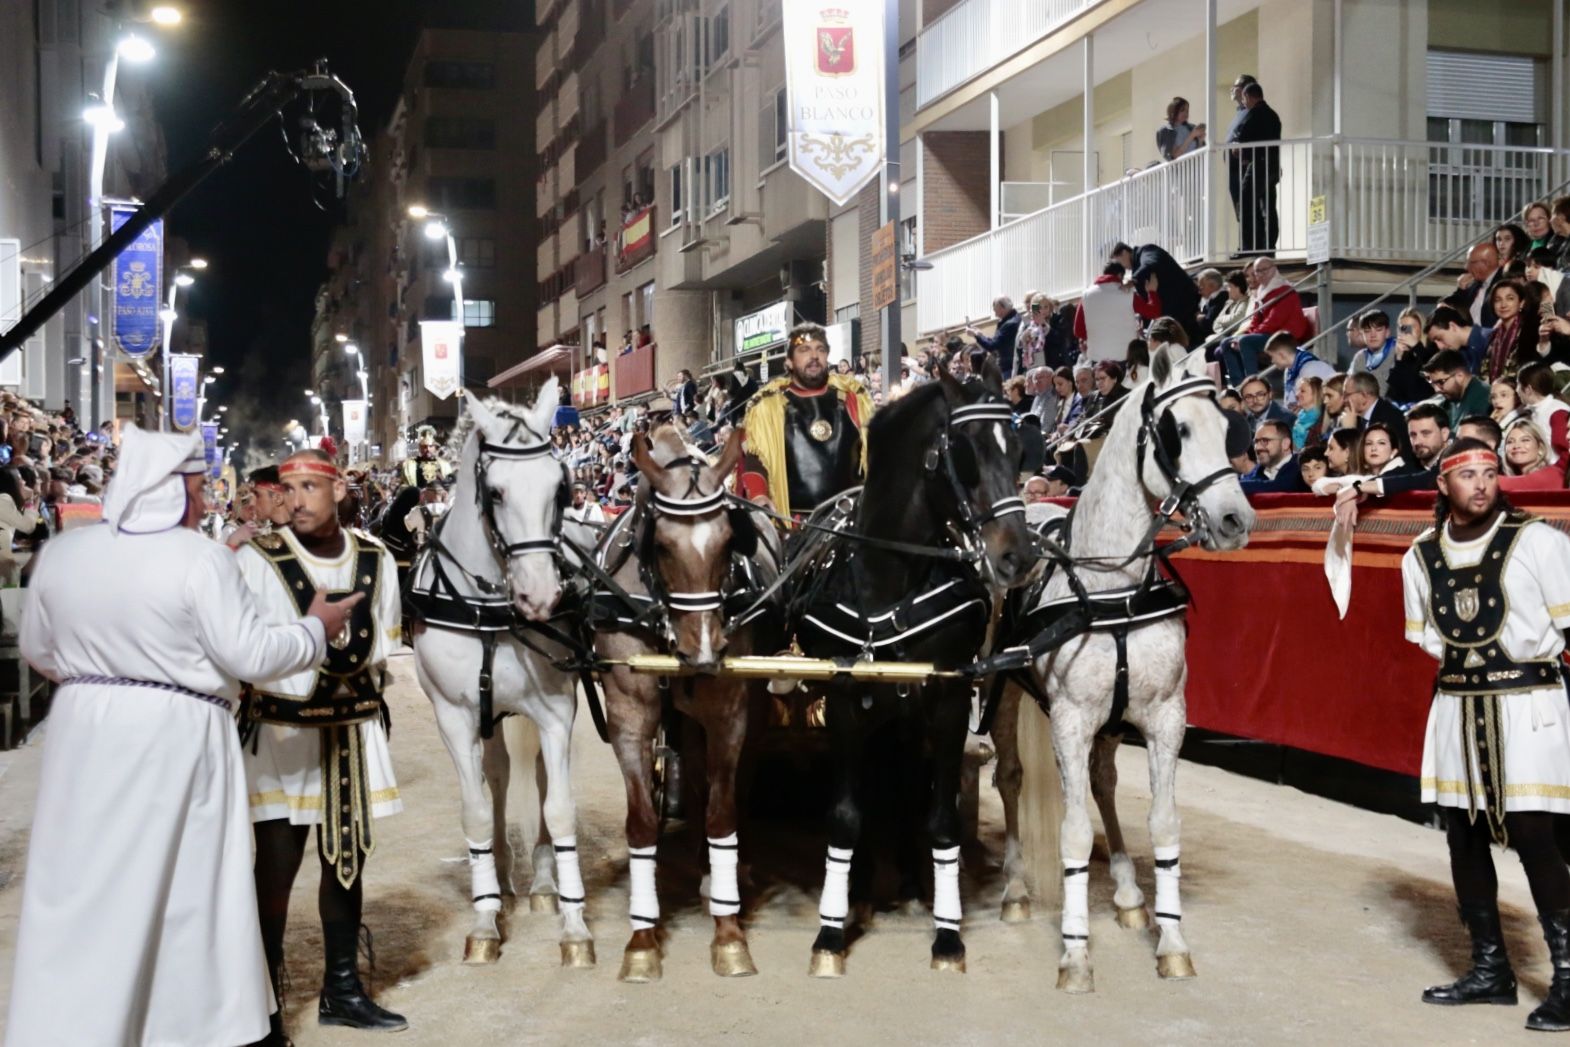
{"x":1406,"y":383}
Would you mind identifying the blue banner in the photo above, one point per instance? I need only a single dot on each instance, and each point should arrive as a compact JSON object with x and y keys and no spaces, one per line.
{"x":184,"y":381}
{"x":218,"y":462}
{"x":137,"y":278}
{"x":210,"y":448}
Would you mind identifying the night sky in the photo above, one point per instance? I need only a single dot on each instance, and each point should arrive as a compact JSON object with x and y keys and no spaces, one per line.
{"x":255,"y":220}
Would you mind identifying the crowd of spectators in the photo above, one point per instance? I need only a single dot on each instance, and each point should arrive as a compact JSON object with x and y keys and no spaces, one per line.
{"x":51,"y":475}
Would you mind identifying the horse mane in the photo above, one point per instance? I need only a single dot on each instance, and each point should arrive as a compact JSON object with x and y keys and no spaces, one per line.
{"x":502,"y":409}
{"x":898,"y":414}
{"x":670,"y":444}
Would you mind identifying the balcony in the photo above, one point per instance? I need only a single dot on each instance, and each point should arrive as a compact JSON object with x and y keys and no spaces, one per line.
{"x":1386,"y":201}
{"x":635,"y":372}
{"x":591,"y":271}
{"x":592,"y":150}
{"x":591,"y":33}
{"x":975,"y":35}
{"x":634,"y":109}
{"x":635,"y":242}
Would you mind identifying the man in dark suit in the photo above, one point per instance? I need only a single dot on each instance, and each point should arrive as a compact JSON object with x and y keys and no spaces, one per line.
{"x":1258,"y":170}
{"x":1176,"y":290}
{"x":1276,"y":469}
{"x":1001,"y":342}
{"x":1212,"y":299}
{"x":1362,"y":393}
{"x":1476,"y":298}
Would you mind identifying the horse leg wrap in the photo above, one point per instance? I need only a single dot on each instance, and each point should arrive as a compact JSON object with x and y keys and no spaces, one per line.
{"x":484,"y":886}
{"x":834,"y":906}
{"x":1169,"y":874}
{"x":643,"y":908}
{"x":569,"y":879}
{"x":945,"y":888}
{"x":1076,"y":904}
{"x":724,"y":894}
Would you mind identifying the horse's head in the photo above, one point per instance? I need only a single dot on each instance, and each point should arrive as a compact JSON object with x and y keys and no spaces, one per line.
{"x":522,"y":492}
{"x":688,"y":536}
{"x":975,"y":472}
{"x":1183,"y":459}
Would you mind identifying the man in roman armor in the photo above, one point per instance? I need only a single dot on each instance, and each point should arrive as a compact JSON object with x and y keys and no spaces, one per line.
{"x":316,"y":750}
{"x":805,"y":429}
{"x":427,"y":466}
{"x":1487,"y":594}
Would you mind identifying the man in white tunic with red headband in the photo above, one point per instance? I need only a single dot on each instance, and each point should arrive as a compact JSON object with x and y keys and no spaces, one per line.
{"x":317,"y":751}
{"x":139,"y":922}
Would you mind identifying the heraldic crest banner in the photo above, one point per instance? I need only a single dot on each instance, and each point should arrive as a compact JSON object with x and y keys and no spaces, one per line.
{"x":442,"y":344}
{"x":834,"y":93}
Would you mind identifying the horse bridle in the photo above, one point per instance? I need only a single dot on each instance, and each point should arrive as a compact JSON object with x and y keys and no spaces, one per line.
{"x":1182,"y":497}
{"x":690,"y":506}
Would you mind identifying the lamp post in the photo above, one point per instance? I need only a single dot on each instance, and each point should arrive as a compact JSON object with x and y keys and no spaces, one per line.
{"x":437,"y":227}
{"x":365,"y":388}
{"x":181,"y":278}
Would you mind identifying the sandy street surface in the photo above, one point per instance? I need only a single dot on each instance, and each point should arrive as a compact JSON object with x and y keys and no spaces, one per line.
{"x":1311,"y":923}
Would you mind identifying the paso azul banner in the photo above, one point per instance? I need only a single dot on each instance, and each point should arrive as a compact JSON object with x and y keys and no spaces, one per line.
{"x":137,"y":278}
{"x":183,"y":384}
{"x":210,"y":447}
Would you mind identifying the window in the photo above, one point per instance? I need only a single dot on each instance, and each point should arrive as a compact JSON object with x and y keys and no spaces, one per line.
{"x":479,"y":312}
{"x":781,"y":124}
{"x":460,"y":132}
{"x":646,"y":304}
{"x":437,"y":307}
{"x":645,"y":177}
{"x":477,"y":76}
{"x":772,"y":126}
{"x":461,"y":194}
{"x":477,"y":252}
{"x":716,"y":179}
{"x":676,"y":208}
{"x":719,"y":35}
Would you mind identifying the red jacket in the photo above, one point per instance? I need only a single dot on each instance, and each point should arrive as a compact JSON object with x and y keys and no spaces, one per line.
{"x":1281,"y":310}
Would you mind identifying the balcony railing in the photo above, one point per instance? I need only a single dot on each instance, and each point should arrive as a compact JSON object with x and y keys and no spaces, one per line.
{"x":975,"y":35}
{"x":635,"y":372}
{"x":634,"y":109}
{"x":1384,"y":201}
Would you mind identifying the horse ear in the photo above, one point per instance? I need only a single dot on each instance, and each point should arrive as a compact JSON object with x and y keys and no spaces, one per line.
{"x":1161,"y":366}
{"x":484,"y":418}
{"x":991,"y":377}
{"x":544,"y":410}
{"x":953,"y":392}
{"x":643,"y":458}
{"x":731,"y":453}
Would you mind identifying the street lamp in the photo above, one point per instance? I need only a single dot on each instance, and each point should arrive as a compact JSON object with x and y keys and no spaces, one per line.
{"x":165,"y":15}
{"x":437,"y":227}
{"x":181,"y":278}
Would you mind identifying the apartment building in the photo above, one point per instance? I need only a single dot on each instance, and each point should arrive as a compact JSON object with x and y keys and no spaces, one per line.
{"x":459,"y":145}
{"x":1028,"y":138}
{"x":666,"y":202}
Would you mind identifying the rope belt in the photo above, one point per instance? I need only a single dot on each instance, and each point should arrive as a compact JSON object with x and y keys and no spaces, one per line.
{"x":125,"y":681}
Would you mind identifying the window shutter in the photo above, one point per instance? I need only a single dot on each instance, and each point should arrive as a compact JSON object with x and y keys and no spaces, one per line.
{"x":1485,"y":87}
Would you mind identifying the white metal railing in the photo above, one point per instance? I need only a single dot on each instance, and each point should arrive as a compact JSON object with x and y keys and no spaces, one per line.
{"x":975,"y":35}
{"x":1384,"y":200}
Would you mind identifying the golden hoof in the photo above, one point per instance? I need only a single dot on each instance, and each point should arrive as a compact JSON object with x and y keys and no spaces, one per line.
{"x":1175,"y":965}
{"x":949,"y":963}
{"x":826,"y":964}
{"x":543,"y":903}
{"x":1135,"y":919}
{"x":1072,"y":980}
{"x":577,"y":954}
{"x":732,"y":960}
{"x":640,"y":965}
{"x":478,"y":951}
{"x":1016,"y":910}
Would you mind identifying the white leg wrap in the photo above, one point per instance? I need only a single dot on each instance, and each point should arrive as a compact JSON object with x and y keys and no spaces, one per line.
{"x":1076,"y":905}
{"x":1169,"y":906}
{"x":568,"y":878}
{"x":834,"y":906}
{"x":724,"y":894}
{"x":643,"y":907}
{"x":945,"y":889}
{"x":484,"y":887}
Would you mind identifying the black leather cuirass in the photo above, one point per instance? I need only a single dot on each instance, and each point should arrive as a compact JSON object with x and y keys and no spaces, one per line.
{"x":822,"y":449}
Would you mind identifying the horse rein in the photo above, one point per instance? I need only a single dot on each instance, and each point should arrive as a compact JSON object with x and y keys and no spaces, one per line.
{"x":691,"y":506}
{"x":1182,"y":496}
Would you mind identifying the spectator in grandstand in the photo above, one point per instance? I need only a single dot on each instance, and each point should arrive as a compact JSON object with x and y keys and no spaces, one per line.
{"x":1071,"y":402}
{"x":1030,"y":343}
{"x":1428,"y":431}
{"x":1036,"y":489}
{"x":1341,"y":451}
{"x":683,"y":393}
{"x":1313,"y":465}
{"x":1405,"y":383}
{"x":1514,"y":341}
{"x":584,"y":509}
{"x":1362,"y":395}
{"x":1259,"y":408}
{"x":1378,"y":353}
{"x":1275,"y":466}
{"x":1559,"y":222}
{"x":1462,"y":392}
{"x":1276,"y":308}
{"x":1258,"y":170}
{"x":1480,"y":427}
{"x":1000,"y":343}
{"x":1537,"y":389}
{"x":1109,"y":388}
{"x":1512,"y":243}
{"x":1535,"y":220}
{"x":1177,"y":136}
{"x":1503,"y":402}
{"x":1294,"y":364}
{"x":1212,"y":299}
{"x":1526,"y":464}
{"x":1041,"y":387}
{"x":1452,"y":328}
{"x":1377,"y":451}
{"x":1060,"y":481}
{"x":1307,"y":429}
{"x":1542,"y":267}
{"x":1235,"y":308}
{"x":1234,"y":159}
{"x":1337,"y":414}
{"x":1106,"y":320}
{"x":1474,"y":287}
{"x":1178,"y":293}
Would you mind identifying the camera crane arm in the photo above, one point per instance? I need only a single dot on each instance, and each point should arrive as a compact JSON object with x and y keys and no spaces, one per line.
{"x":258,"y":108}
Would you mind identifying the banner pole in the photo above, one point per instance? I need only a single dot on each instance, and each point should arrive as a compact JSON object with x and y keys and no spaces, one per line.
{"x":891,"y":335}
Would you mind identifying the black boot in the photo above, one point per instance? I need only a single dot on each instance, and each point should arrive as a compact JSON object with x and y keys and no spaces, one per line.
{"x":1490,"y":980}
{"x":1553,"y":1015}
{"x":344,"y":1001}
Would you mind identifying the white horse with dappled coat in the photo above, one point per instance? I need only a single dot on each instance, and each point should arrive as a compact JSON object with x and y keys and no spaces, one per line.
{"x":493,"y":560}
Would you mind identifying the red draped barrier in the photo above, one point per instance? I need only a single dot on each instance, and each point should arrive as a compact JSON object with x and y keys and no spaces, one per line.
{"x":1267,"y":657}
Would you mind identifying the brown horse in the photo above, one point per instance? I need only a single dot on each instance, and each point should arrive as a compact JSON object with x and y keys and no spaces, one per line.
{"x":674,"y":553}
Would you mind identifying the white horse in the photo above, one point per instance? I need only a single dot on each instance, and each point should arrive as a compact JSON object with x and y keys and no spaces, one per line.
{"x":495,"y":552}
{"x":1168,"y":437}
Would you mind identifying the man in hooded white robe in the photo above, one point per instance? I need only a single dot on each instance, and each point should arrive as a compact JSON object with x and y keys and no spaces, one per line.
{"x":139,"y":920}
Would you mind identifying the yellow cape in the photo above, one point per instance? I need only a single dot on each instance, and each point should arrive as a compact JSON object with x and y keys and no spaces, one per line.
{"x":765,"y":425}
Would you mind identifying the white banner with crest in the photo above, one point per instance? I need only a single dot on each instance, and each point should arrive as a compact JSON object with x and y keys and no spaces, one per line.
{"x":834,"y":93}
{"x":442,"y":344}
{"x":353,"y":422}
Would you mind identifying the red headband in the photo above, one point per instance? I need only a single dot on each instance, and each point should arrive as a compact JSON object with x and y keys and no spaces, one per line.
{"x":314,"y":466}
{"x":1476,"y":456}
